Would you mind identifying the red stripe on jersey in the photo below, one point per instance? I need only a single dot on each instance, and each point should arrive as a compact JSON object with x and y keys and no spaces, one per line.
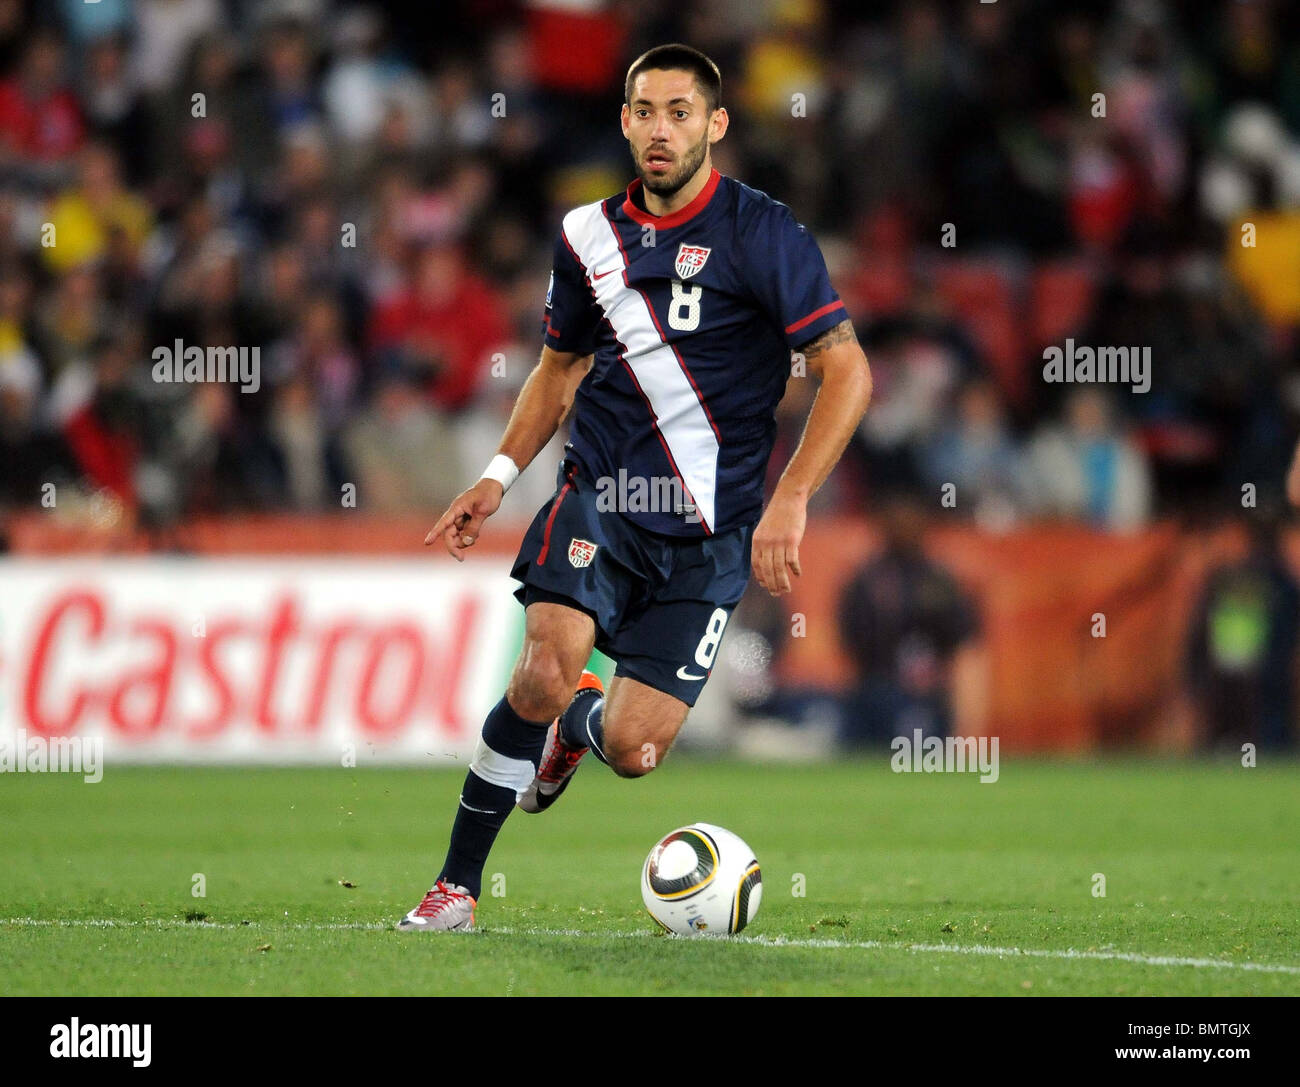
{"x":546,"y":535}
{"x":813,"y":316}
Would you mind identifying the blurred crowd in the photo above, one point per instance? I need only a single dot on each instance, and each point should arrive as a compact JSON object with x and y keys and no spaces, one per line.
{"x":369,"y":194}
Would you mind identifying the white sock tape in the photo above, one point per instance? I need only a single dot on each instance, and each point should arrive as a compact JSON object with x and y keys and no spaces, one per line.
{"x":498,"y":769}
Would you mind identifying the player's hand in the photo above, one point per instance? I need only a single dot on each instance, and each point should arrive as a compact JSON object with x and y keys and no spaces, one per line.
{"x":459,"y":527}
{"x":774,"y":555}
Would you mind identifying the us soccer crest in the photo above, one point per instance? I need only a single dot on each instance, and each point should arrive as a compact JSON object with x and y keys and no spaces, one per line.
{"x":690,"y":259}
{"x":581,"y":552}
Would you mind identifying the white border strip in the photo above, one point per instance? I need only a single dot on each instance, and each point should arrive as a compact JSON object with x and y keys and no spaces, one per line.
{"x":751,"y":941}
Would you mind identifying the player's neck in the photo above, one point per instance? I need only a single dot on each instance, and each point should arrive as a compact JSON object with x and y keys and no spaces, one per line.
{"x":665,"y":205}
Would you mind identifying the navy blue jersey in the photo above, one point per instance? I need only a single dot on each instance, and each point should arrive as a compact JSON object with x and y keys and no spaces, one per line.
{"x":692,"y":317}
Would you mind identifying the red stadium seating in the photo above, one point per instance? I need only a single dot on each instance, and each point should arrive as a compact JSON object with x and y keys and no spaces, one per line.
{"x":981,"y":295}
{"x":1060,"y":299}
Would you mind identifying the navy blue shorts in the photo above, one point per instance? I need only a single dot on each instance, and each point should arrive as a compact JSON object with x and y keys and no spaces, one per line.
{"x":660,"y":603}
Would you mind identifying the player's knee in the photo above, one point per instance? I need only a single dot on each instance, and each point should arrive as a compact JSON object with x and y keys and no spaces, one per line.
{"x":538,"y":688}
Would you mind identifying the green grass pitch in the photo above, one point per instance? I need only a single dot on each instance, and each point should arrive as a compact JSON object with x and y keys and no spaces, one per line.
{"x":913,"y":883}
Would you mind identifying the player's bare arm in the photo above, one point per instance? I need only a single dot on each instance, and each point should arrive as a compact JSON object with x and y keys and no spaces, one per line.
{"x":539,"y":410}
{"x":838,"y":362}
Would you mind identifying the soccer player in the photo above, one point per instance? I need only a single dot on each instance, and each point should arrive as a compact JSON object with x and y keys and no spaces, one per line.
{"x":670,"y":320}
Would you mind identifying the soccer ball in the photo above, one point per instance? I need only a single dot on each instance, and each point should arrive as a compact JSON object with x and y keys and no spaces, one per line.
{"x":701,"y":879}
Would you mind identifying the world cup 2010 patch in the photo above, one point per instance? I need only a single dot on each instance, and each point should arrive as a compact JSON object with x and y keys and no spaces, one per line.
{"x":581,"y":552}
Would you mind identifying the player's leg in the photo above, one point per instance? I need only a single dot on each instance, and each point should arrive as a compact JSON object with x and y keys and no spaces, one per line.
{"x":639,"y":725}
{"x":631,"y":729}
{"x":558,"y":640}
{"x":661,"y":608}
{"x":574,"y":733}
{"x":665,"y":650}
{"x":557,"y":643}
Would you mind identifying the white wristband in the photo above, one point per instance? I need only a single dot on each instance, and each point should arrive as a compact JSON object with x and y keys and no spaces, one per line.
{"x":503,"y":470}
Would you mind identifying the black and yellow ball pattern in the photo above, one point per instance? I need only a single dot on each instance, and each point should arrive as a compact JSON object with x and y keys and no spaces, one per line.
{"x":751,"y":879}
{"x":693,"y":882}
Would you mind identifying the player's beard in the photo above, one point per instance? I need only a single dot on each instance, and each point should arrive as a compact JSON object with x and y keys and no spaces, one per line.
{"x":671,"y":182}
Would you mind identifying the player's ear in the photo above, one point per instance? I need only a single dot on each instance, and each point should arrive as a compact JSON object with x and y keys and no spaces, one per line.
{"x":718,"y":124}
{"x":623,"y":116}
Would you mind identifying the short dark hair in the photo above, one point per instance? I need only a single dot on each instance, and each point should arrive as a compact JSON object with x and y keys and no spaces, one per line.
{"x":678,"y":57}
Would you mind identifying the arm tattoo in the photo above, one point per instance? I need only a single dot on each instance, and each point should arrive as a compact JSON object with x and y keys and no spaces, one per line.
{"x":841,"y":333}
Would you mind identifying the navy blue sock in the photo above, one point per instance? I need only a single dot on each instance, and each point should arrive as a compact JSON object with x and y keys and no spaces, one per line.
{"x":583,"y":723}
{"x":504,"y":764}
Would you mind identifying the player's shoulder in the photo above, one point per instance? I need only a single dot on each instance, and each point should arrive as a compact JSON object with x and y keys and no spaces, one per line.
{"x":577,"y":224}
{"x":755,"y":208}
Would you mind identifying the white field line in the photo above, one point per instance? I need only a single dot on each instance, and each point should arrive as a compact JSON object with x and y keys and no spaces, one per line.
{"x":750,"y":941}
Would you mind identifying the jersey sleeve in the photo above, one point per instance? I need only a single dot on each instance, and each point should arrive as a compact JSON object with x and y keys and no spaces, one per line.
{"x":572,"y":316}
{"x":788,"y":276}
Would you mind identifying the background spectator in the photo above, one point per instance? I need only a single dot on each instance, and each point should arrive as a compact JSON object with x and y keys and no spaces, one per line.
{"x":1085,"y":467}
{"x":902,"y":616}
{"x":1242,"y":646}
{"x":329,"y":183}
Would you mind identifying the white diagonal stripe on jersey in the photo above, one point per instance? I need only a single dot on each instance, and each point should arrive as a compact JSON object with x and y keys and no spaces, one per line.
{"x":680,"y":416}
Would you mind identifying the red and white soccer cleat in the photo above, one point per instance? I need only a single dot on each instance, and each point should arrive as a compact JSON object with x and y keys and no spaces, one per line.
{"x":448,"y":907}
{"x":559,"y":760}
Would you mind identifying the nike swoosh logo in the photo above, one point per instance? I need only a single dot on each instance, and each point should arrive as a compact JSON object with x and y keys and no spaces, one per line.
{"x":682,"y":673}
{"x":602,"y":275}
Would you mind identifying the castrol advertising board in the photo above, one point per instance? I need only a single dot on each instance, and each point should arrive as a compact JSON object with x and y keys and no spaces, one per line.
{"x":255,"y":660}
